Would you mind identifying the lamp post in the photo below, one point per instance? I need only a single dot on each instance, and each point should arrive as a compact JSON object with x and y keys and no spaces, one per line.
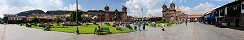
{"x":77,"y":22}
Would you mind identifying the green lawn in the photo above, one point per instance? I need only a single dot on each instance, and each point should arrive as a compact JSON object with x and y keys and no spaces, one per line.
{"x":89,"y":29}
{"x":160,"y":24}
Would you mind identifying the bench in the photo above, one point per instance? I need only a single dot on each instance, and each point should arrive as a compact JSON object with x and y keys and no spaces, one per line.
{"x":102,"y":29}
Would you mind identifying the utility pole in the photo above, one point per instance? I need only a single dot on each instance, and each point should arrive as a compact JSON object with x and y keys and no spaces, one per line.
{"x":142,"y":14}
{"x":77,"y":22}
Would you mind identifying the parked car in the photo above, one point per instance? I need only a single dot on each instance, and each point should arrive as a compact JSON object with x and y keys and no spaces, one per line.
{"x":221,"y":24}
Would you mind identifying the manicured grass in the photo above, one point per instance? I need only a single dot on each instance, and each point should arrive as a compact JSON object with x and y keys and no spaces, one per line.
{"x":89,"y":29}
{"x":32,"y":26}
{"x":160,"y":24}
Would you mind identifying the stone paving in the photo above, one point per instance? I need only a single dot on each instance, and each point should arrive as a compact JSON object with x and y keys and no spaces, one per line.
{"x":15,"y":32}
{"x":210,"y":32}
{"x":192,"y":31}
{"x":171,"y":33}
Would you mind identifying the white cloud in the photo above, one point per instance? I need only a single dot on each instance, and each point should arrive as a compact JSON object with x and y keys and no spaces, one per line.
{"x":200,"y":9}
{"x":73,"y":7}
{"x":204,"y":7}
{"x":149,"y":6}
{"x":15,"y":6}
{"x":185,"y":9}
{"x":154,"y":12}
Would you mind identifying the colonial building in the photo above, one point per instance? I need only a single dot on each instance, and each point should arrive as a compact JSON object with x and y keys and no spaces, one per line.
{"x":231,"y":13}
{"x":95,"y":15}
{"x":194,"y":17}
{"x":172,"y":14}
{"x":13,"y":19}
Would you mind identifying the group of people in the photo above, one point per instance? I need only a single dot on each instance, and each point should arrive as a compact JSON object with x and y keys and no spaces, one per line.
{"x":155,"y":25}
{"x":137,"y":26}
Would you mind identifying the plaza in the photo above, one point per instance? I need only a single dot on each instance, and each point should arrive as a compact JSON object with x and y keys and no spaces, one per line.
{"x":192,"y":31}
{"x":121,"y":20}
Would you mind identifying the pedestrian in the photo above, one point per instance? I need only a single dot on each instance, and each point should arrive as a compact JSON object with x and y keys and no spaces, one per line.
{"x":99,"y":29}
{"x":163,"y":27}
{"x":143,"y":26}
{"x":26,"y":24}
{"x":186,"y":22}
{"x":139,"y":26}
{"x":153,"y":24}
{"x":47,"y":28}
{"x":135,"y":27}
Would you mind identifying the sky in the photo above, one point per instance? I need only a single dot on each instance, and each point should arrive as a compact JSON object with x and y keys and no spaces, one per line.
{"x":134,"y":7}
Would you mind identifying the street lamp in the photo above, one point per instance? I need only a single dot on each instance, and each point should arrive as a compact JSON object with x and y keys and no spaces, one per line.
{"x":77,"y":29}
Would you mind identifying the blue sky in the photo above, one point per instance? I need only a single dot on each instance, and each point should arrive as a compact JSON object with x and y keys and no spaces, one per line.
{"x":151,"y":7}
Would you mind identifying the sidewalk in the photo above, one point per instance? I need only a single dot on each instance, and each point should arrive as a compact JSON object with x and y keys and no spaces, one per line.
{"x":16,"y":32}
{"x":179,"y":32}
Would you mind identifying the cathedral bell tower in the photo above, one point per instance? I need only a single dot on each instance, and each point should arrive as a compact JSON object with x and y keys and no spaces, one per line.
{"x":107,"y":15}
{"x":124,"y":13}
{"x":172,"y":6}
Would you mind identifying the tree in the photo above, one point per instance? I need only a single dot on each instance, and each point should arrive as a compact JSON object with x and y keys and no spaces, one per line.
{"x":155,"y":19}
{"x":35,"y":20}
{"x":58,"y":20}
{"x":73,"y":16}
{"x":86,"y":18}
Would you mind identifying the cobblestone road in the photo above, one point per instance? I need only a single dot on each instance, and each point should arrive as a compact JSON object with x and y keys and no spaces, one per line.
{"x":192,"y":31}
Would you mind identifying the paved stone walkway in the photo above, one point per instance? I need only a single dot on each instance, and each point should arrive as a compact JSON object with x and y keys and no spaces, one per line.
{"x":15,"y":32}
{"x":179,"y":32}
{"x":192,"y":31}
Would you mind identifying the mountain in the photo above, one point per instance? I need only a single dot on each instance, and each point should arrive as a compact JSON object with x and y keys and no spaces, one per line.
{"x":30,"y":12}
{"x":58,"y":12}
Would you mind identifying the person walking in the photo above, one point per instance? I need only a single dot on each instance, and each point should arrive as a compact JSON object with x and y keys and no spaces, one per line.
{"x":139,"y":26}
{"x":186,"y":22}
{"x":135,"y":27}
{"x":143,"y":26}
{"x":162,"y":27}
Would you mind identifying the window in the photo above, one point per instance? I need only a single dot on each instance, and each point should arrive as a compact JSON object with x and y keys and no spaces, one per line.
{"x":242,"y":6}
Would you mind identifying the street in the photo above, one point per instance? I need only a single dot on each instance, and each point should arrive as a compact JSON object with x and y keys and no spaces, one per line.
{"x":192,"y":31}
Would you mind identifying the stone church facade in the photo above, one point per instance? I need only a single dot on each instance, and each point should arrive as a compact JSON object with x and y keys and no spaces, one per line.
{"x":115,"y":15}
{"x":172,"y":14}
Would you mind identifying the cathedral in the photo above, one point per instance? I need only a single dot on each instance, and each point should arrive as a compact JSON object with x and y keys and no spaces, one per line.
{"x":172,"y":14}
{"x":115,"y":15}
